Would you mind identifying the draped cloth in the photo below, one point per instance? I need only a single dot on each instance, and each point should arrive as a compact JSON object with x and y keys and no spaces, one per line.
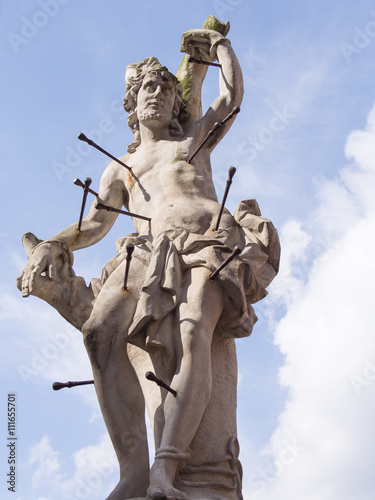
{"x":172,"y":253}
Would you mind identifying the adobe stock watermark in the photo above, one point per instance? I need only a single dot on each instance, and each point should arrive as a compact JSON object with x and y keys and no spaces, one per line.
{"x":224,"y":6}
{"x":74,"y":155}
{"x":287,"y":456}
{"x":95,"y":480}
{"x":280,"y":119}
{"x":367,"y":377}
{"x":362,"y":38}
{"x":220,"y":176}
{"x":40,"y":360}
{"x":32,"y":25}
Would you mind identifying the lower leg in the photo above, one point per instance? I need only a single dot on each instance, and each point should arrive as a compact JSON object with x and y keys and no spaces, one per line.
{"x":182,"y":417}
{"x":122,"y":405}
{"x":117,"y":386}
{"x":199,"y":314}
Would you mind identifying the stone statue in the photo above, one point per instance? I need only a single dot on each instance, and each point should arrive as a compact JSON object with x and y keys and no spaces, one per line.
{"x":172,"y":319}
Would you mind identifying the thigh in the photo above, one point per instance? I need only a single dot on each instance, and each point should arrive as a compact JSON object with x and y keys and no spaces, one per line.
{"x":201,"y":299}
{"x":199,"y":311}
{"x":114,"y":306}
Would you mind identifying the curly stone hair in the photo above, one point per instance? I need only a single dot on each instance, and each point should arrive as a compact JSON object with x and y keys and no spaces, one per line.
{"x":134,"y":76}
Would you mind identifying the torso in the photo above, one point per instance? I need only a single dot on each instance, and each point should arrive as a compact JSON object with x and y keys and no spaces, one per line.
{"x":173,"y":193}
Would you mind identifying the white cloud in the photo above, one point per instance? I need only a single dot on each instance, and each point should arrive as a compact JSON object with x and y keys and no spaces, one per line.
{"x":294,"y":243}
{"x":45,"y":345}
{"x":361,"y":145}
{"x":323,"y":446}
{"x":95,"y":471}
{"x":47,"y":462}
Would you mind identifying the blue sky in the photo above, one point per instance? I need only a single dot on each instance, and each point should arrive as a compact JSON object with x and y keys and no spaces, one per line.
{"x":304,"y":147}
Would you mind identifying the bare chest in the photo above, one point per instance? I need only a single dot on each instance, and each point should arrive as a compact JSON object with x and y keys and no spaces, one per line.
{"x":161,"y":169}
{"x":158,"y":155}
{"x":164,"y":187}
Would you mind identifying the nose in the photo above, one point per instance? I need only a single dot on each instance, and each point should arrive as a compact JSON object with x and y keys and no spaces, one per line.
{"x":158,"y":92}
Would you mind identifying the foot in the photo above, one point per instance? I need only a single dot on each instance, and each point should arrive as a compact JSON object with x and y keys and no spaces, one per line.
{"x":161,"y":481}
{"x":156,"y":492}
{"x":126,"y":489}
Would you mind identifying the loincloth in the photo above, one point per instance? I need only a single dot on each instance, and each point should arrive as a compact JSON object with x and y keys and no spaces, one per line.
{"x":173,"y":252}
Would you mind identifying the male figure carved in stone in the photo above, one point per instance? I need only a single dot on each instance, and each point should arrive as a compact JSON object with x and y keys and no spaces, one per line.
{"x":171,"y":305}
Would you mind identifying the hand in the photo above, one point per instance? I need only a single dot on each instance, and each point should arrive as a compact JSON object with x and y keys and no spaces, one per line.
{"x":39,"y":262}
{"x":201,"y":43}
{"x":49,"y":260}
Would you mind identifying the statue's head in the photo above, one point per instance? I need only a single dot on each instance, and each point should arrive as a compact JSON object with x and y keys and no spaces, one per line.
{"x":145,"y":74}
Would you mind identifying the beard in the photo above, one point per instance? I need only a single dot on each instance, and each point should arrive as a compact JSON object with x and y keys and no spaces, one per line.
{"x":146,"y":115}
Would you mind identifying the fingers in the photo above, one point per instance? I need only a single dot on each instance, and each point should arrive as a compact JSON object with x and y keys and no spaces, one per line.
{"x":25,"y":284}
{"x":201,"y":44}
{"x":33,"y":270}
{"x":52,"y":271}
{"x":191,"y":37}
{"x":199,"y":50}
{"x":199,"y":36}
{"x":36,"y":272}
{"x":26,"y":280}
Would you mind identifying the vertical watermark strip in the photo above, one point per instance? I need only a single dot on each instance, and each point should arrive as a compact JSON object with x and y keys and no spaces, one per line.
{"x":12,"y":442}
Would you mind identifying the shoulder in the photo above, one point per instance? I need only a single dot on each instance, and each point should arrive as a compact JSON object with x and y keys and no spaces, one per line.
{"x":114,"y":174}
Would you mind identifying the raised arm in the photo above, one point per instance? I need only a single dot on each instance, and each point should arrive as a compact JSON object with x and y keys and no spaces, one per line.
{"x":191,"y":74}
{"x":212,"y":46}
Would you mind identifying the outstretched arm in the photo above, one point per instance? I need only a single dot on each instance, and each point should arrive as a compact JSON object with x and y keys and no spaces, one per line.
{"x":98,"y":222}
{"x":54,"y":256}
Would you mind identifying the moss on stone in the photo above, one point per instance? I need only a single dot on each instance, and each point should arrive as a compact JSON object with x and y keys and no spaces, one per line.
{"x":183,"y":75}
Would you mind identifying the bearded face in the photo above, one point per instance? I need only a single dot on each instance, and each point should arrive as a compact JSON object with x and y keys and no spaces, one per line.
{"x":153,"y":98}
{"x":156,"y":98}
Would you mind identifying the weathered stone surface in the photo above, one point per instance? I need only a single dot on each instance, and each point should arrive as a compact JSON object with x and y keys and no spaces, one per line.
{"x":172,"y":320}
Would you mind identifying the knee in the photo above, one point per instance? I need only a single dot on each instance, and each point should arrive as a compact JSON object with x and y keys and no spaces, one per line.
{"x":92,"y":336}
{"x":99,"y":345}
{"x":196,"y":341}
